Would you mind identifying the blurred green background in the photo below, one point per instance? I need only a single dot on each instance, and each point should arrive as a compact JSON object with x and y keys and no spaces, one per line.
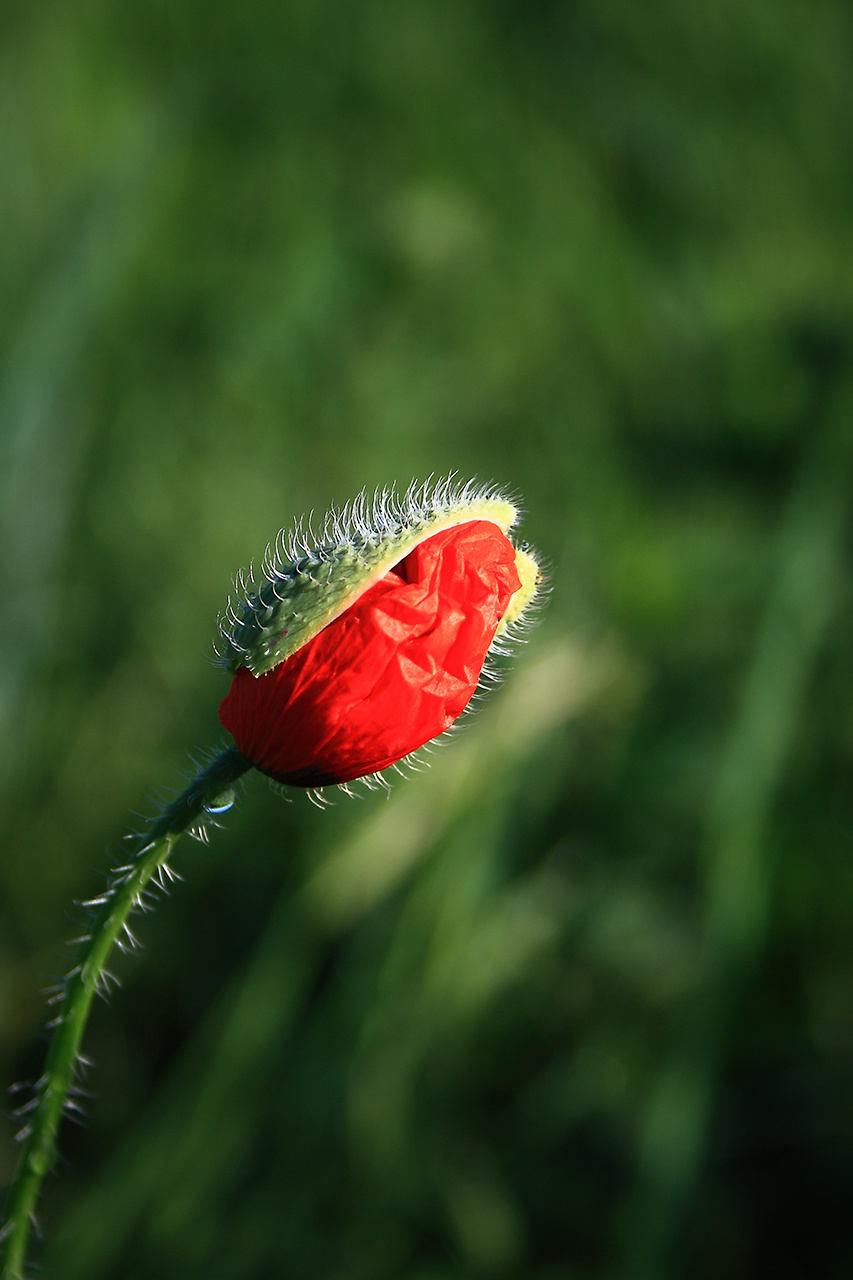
{"x":577,"y":1002}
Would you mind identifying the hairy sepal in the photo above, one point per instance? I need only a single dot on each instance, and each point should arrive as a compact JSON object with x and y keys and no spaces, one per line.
{"x":305,"y":588}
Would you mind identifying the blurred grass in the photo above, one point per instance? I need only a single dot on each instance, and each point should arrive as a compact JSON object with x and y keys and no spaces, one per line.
{"x":578,"y":1001}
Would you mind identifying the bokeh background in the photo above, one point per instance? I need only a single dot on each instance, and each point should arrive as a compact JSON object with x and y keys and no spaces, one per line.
{"x":577,"y":1002}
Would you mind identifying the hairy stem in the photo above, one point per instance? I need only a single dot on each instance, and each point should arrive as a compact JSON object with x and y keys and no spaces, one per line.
{"x":54,"y":1092}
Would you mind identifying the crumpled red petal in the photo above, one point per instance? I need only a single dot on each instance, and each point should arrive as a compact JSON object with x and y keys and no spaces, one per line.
{"x":389,"y":674}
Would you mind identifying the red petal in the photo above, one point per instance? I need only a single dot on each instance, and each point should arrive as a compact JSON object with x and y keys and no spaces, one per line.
{"x":386,"y":676}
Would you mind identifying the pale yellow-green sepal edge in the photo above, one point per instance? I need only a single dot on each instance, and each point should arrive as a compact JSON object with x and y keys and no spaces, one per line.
{"x":530,"y":575}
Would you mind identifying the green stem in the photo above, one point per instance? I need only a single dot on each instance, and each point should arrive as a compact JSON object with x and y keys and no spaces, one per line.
{"x":125,"y":892}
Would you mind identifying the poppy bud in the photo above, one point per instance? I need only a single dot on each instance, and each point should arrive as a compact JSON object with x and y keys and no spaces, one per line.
{"x":358,"y":652}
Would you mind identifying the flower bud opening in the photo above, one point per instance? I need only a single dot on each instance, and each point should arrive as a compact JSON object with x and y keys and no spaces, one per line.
{"x":394,"y":665}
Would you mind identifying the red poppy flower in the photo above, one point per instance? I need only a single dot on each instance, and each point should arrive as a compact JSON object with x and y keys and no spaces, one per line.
{"x":393,"y":670}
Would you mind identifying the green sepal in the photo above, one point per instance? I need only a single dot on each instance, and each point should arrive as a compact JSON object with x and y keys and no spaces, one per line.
{"x":275,"y":617}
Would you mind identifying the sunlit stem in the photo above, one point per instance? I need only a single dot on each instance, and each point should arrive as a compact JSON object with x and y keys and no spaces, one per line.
{"x":208,"y":793}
